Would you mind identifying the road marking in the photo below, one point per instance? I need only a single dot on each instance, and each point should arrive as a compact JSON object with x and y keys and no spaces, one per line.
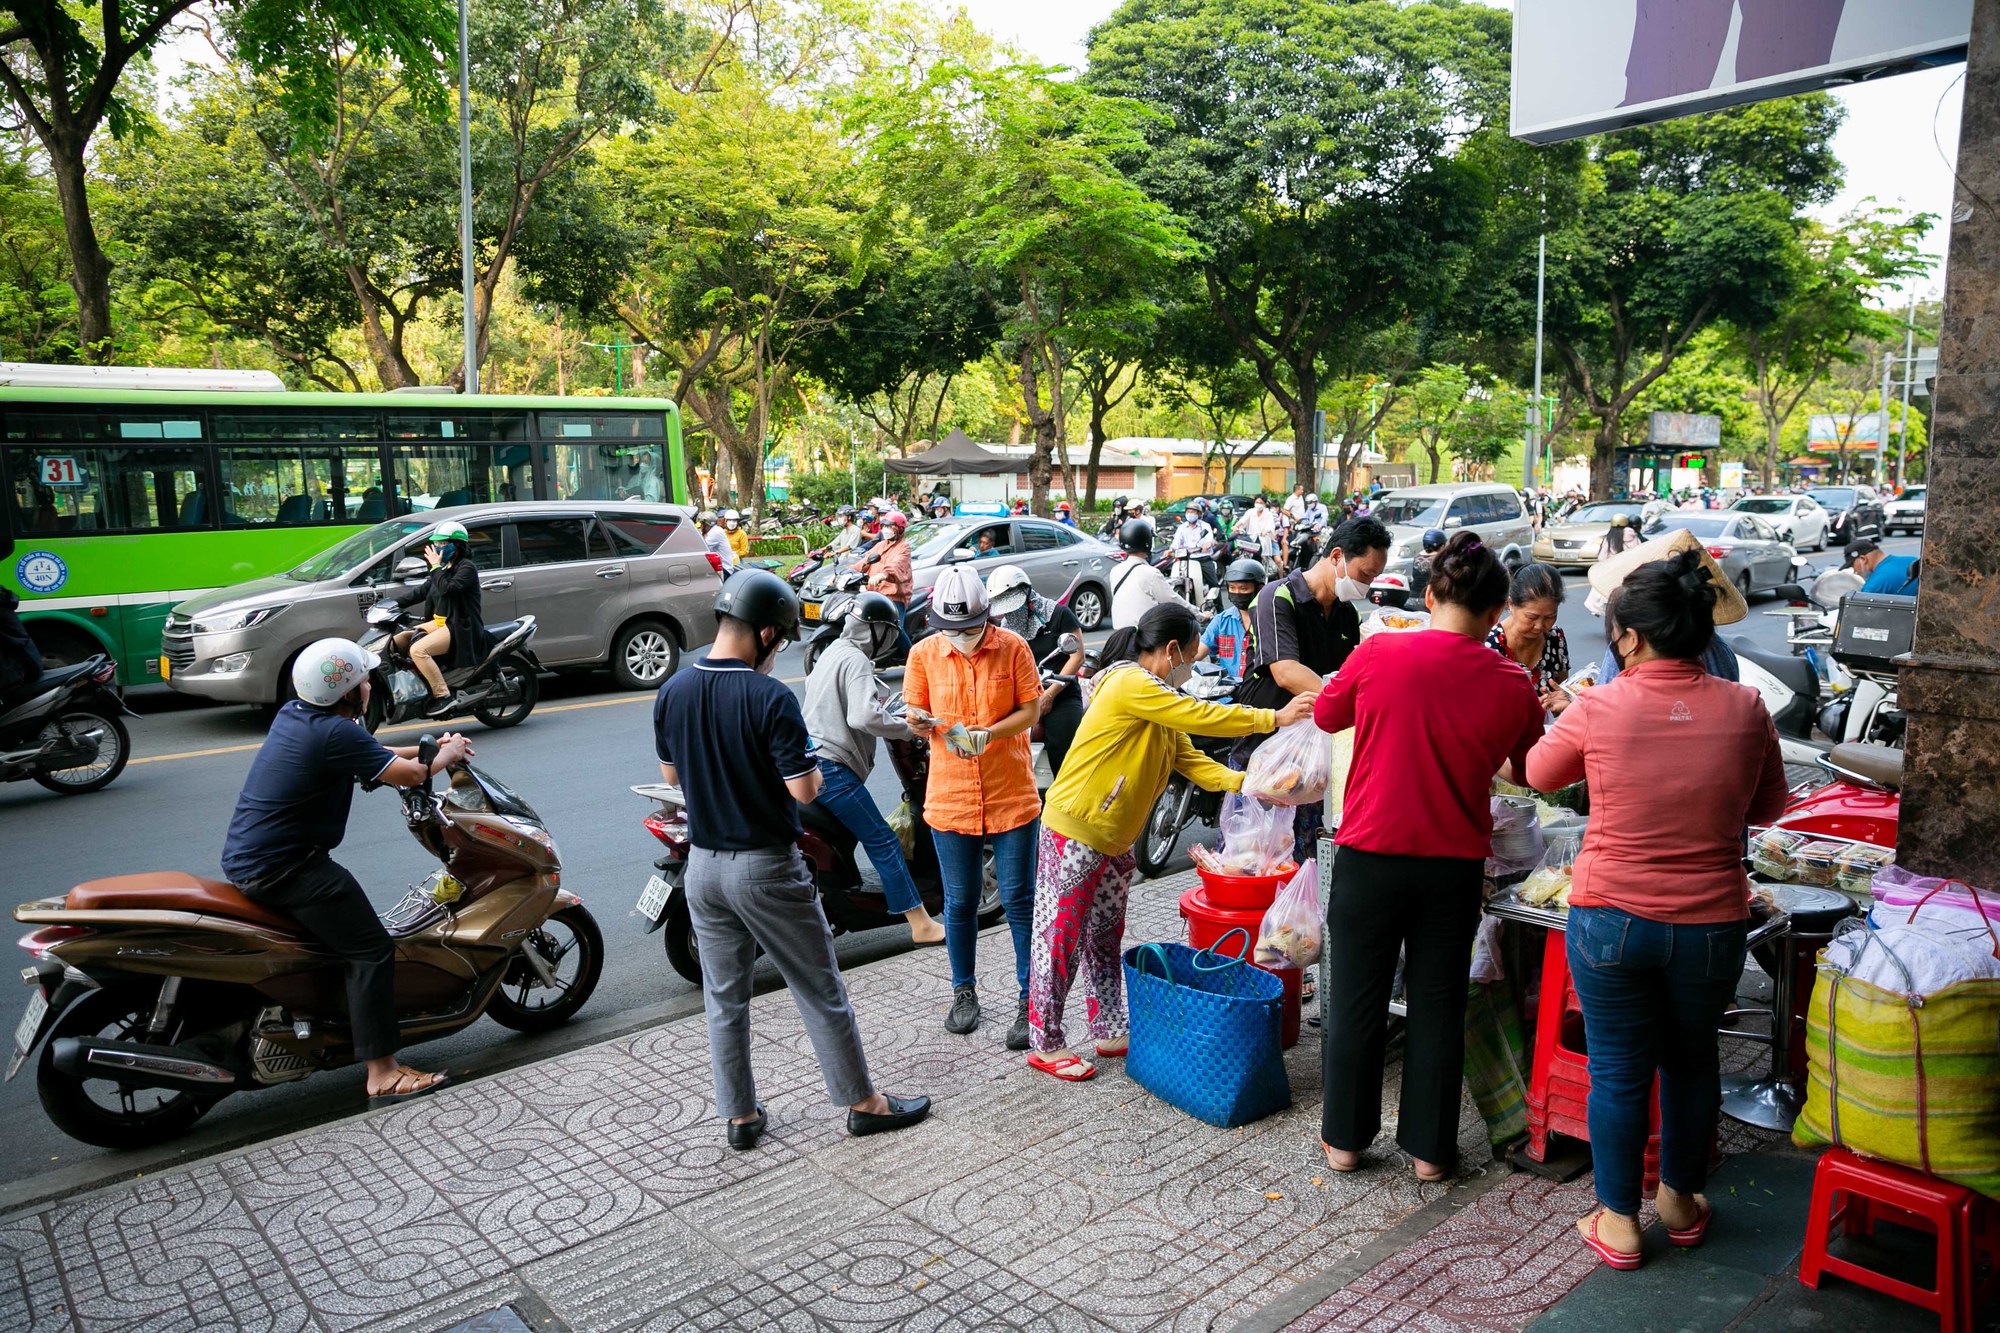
{"x":421,"y":726}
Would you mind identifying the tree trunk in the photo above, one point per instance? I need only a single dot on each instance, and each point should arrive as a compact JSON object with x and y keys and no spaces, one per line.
{"x":1770,"y":468}
{"x":1097,"y":413}
{"x":90,"y":267}
{"x":1044,"y":423}
{"x":391,"y":366}
{"x":1305,"y":460}
{"x":1604,"y":446}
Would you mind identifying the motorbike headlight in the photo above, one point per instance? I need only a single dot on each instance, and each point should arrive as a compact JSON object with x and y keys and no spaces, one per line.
{"x":224,"y":622}
{"x":534,"y":833}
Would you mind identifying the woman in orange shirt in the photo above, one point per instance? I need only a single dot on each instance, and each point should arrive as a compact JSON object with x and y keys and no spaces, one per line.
{"x":974,"y":689}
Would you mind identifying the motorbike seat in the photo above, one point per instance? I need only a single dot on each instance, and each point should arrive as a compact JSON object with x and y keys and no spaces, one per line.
{"x":1879,"y":764}
{"x":48,"y":680}
{"x":503,"y":629}
{"x":175,"y":891}
{"x":1794,"y":673}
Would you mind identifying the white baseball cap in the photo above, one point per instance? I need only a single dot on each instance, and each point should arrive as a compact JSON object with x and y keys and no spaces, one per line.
{"x":958,"y":599}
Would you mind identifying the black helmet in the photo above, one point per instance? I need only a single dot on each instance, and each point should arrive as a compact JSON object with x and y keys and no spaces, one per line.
{"x":873,"y":606}
{"x":1118,"y":505}
{"x":1245,"y":570}
{"x":761,"y":600}
{"x":1136,"y":537}
{"x":1433,"y":539}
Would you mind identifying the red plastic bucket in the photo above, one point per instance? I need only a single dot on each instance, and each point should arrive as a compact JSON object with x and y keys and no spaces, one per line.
{"x":1244,"y":893}
{"x":1208,"y":923}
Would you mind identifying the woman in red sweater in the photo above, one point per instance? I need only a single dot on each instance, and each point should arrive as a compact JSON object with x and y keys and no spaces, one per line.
{"x":1435,"y":713}
{"x":1659,"y":904}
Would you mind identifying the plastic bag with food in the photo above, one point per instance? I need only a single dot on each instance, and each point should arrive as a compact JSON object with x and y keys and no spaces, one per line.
{"x":1290,"y":933}
{"x":1256,"y":838}
{"x":1395,"y":620}
{"x":1292,"y":767}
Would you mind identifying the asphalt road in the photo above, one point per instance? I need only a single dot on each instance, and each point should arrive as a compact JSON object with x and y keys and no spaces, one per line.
{"x":573,"y":759}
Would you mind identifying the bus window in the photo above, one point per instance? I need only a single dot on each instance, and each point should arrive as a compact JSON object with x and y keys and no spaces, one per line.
{"x":606,"y":472}
{"x":65,"y":488}
{"x":440,"y":476}
{"x":294,"y":484}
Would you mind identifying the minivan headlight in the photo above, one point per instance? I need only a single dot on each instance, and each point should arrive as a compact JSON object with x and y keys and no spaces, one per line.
{"x":223,"y":622}
{"x":1408,"y":548}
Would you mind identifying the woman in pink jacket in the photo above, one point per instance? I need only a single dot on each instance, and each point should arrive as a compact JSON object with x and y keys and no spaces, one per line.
{"x":1659,"y":905}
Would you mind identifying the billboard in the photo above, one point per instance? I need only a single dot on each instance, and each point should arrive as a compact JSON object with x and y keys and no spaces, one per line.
{"x":1833,"y":428}
{"x":1690,"y":430}
{"x":1587,"y":66}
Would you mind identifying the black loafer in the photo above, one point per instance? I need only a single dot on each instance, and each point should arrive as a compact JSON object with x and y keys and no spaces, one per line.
{"x":744,"y":1137}
{"x":903,"y":1112}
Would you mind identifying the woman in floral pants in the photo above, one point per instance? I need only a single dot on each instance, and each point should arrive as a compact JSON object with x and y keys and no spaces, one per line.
{"x":1133,"y":737}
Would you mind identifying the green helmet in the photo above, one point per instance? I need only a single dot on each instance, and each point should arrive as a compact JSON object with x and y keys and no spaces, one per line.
{"x":451,"y":531}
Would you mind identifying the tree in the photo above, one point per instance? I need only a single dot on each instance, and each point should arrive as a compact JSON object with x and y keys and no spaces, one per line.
{"x":1315,"y":151}
{"x":37,"y":304}
{"x":1679,"y":226}
{"x":1011,"y":172}
{"x":1457,"y":412}
{"x":1839,"y":271}
{"x":63,"y":65}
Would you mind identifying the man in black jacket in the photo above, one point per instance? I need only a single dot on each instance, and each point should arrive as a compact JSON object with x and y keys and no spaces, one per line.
{"x":20,"y":660}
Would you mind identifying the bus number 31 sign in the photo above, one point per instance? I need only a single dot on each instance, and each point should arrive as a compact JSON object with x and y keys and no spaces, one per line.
{"x":61,"y":470}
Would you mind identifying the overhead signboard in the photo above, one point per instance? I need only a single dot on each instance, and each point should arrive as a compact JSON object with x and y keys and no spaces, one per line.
{"x":1587,"y":66}
{"x":1685,"y":430}
{"x":1842,"y":428}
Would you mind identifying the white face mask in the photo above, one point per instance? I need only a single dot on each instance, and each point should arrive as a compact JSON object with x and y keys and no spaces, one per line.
{"x":965,"y":641}
{"x":1177,"y":675}
{"x":1349,"y":589}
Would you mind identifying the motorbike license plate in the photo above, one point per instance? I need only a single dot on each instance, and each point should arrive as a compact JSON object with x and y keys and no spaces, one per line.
{"x":30,"y":1028}
{"x":810,"y":610}
{"x":653,"y":901}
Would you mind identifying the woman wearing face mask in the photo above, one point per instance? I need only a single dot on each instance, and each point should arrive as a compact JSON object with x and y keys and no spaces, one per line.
{"x":739,"y":537}
{"x":973,"y":688}
{"x":1412,"y":886}
{"x":844,"y":714}
{"x":1133,"y":738}
{"x":1014,"y":605}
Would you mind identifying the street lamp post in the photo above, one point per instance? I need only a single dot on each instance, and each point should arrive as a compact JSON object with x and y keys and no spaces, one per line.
{"x":1909,"y":374}
{"x":1535,"y":426}
{"x":465,"y":201}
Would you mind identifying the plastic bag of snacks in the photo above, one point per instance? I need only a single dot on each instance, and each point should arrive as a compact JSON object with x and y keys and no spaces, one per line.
{"x":1256,"y":838}
{"x":1290,"y":933}
{"x":1854,"y":872}
{"x":1293,"y":767}
{"x":1395,"y":620}
{"x":1771,"y":852}
{"x":1548,"y":885}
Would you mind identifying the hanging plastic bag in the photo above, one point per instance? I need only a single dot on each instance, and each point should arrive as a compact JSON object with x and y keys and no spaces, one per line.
{"x":903,"y":822}
{"x":1290,"y":933}
{"x":1292,"y":767}
{"x":1256,"y":838}
{"x":1517,"y":836}
{"x":1486,"y":950}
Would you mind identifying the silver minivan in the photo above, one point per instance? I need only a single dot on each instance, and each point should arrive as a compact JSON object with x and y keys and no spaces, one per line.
{"x":1491,"y":509}
{"x":610,"y":582}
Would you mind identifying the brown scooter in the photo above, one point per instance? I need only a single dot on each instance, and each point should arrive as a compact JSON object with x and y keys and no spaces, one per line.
{"x":156,"y":995}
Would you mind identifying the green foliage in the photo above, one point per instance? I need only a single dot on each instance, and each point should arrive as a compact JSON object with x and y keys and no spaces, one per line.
{"x":37,"y":304}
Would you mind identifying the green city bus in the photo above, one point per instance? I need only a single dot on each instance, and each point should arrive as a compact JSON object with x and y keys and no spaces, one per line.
{"x":123,"y":501}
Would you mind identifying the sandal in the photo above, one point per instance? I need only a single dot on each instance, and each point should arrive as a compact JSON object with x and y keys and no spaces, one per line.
{"x":1068,"y":1068}
{"x":1330,"y":1150}
{"x":1613,"y":1258}
{"x":1690,"y":1237}
{"x":378,"y":1100}
{"x":1115,"y":1048}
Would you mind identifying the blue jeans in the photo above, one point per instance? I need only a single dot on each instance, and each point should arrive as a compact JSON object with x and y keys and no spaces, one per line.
{"x":1653,"y":995}
{"x":845,"y":796}
{"x":959,"y":864}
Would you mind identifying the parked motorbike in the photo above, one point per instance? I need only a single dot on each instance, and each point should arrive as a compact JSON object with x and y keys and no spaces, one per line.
{"x":1789,"y":688}
{"x":851,"y":903}
{"x":1183,"y":805}
{"x":1179,"y":567}
{"x":1863,"y":801}
{"x":66,"y":728}
{"x":500,"y":690}
{"x":156,"y":995}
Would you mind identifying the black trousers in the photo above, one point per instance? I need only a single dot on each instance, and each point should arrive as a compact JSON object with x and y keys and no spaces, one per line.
{"x":1059,"y":726}
{"x":329,"y":902}
{"x":1428,"y":908}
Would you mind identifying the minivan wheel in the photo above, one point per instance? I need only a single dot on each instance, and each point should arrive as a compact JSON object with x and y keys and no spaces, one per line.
{"x":1088,"y":607}
{"x":643,"y":655}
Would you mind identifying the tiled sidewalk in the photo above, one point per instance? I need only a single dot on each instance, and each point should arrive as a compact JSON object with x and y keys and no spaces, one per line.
{"x":595,"y":1190}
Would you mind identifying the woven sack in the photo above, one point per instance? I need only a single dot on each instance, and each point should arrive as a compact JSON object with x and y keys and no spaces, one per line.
{"x":1204,"y":1032}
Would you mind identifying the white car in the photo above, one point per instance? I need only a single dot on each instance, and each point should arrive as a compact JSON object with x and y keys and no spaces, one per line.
{"x":1799,"y":519}
{"x":1905,"y":513}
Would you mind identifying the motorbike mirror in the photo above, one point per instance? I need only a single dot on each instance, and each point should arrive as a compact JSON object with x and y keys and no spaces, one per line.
{"x":1069,"y":644}
{"x":1791,"y":592}
{"x":427,"y":752}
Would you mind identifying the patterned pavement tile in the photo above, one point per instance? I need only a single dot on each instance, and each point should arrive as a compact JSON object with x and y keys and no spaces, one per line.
{"x":632,"y":1275}
{"x":362,"y":1233}
{"x":895,"y":1274}
{"x":173,"y":1253}
{"x":896,"y":1168}
{"x":1229,"y":1304}
{"x":1130,"y":1270}
{"x":31,"y":1290}
{"x":1303,"y":1231}
{"x":1124,"y":1165}
{"x":778,"y":1213}
{"x":1366,"y":1313}
{"x":1004,"y":1214}
{"x":733,"y":1306}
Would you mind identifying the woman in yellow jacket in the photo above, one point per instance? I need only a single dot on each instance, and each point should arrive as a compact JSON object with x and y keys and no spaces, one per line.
{"x":1134,"y":736}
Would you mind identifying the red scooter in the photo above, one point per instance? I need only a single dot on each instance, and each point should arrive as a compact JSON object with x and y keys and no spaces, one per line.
{"x":1863,"y":801}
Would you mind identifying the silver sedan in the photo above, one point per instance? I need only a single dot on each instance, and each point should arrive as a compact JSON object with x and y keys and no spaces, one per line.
{"x":1750,"y":551}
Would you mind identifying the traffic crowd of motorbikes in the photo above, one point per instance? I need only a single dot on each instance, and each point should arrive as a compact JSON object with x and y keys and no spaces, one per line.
{"x":154,"y":996}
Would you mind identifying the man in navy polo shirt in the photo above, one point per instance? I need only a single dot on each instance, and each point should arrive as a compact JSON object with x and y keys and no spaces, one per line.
{"x":734,"y":741}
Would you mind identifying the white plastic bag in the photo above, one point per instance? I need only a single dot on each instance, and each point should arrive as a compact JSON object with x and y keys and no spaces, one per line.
{"x":1290,"y":933}
{"x":1256,"y":838}
{"x":1486,"y":951}
{"x":1517,"y":836}
{"x":1292,"y":767}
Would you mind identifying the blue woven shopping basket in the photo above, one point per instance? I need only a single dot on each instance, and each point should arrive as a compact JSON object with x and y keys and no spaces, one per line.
{"x":1205,"y":1032}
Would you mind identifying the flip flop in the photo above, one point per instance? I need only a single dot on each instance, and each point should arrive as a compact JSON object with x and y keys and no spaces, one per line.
{"x":1070,"y":1068}
{"x":378,"y":1100}
{"x":1692,"y":1236}
{"x":1113,"y":1050}
{"x":1332,"y":1165}
{"x":1617,"y":1259}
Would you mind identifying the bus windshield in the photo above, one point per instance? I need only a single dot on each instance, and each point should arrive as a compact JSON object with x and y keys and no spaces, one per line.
{"x":356,"y":550}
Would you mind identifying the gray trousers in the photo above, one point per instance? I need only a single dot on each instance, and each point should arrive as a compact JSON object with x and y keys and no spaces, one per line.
{"x":738,"y":902}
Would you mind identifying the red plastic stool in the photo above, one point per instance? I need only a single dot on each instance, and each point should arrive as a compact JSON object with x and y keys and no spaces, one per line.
{"x":1853,"y":1193}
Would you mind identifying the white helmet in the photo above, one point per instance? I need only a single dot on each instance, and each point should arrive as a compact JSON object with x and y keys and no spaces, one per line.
{"x":329,"y":669}
{"x":958,"y":599}
{"x":1008,"y":588}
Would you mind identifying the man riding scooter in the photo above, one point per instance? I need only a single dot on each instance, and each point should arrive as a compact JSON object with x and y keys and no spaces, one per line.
{"x":293,"y":813}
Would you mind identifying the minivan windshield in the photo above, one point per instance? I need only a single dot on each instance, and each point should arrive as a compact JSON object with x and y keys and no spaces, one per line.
{"x":1765,"y":504}
{"x":1603,"y":513}
{"x":357,"y":550}
{"x":1410,"y":511}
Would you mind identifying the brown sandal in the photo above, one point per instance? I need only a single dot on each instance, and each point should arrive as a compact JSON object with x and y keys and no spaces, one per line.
{"x":378,"y":1100}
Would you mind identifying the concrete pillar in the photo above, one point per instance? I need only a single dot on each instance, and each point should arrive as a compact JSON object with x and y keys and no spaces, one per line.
{"x":1951,"y":687}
